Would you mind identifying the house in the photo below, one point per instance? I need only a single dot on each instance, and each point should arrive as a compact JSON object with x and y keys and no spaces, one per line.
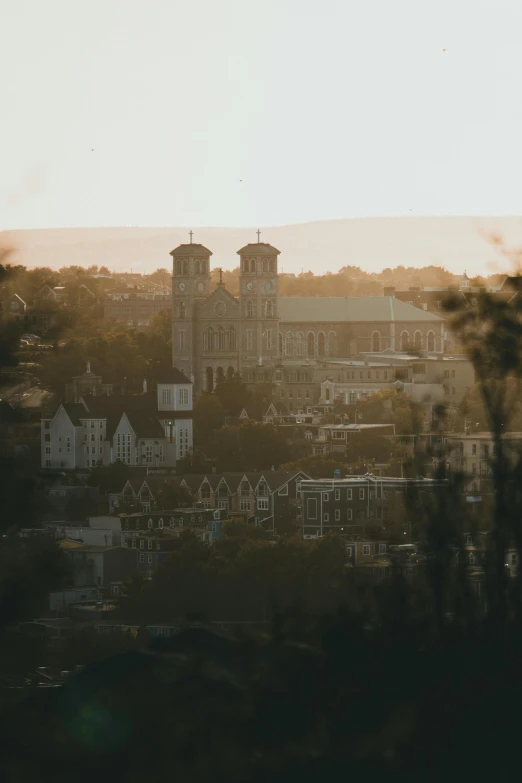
{"x":472,"y":453}
{"x":205,"y":521}
{"x":153,"y":429}
{"x":333,"y":438}
{"x":349,"y":505}
{"x":269,"y":498}
{"x":15,"y":308}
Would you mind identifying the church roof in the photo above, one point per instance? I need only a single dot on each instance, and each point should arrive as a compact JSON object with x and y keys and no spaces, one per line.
{"x":329,"y":309}
{"x":258,"y":249}
{"x":190,"y":250}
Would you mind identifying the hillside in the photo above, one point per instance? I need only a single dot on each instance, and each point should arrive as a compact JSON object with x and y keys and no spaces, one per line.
{"x":456,"y":243}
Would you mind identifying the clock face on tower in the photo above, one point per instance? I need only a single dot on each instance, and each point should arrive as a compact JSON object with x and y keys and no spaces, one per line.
{"x":249,"y":286}
{"x":201,"y":287}
{"x":182,"y":287}
{"x":268,"y":286}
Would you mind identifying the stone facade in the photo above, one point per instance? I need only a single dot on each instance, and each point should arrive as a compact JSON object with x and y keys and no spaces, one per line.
{"x":215,"y":333}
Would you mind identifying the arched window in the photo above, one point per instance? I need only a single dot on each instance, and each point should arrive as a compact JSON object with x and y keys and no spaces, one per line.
{"x":250,"y":309}
{"x":220,"y":375}
{"x":252,"y":266}
{"x":209,"y":339}
{"x":289,"y":344}
{"x":321,"y":342}
{"x":332,"y":344}
{"x":232,"y":339}
{"x":185,"y":267}
{"x":203,"y":266}
{"x":417,"y":341}
{"x":182,"y":310}
{"x":431,"y":341}
{"x":230,"y":373}
{"x":271,"y":264}
{"x":280,"y":343}
{"x":196,"y":266}
{"x":221,"y":339}
{"x":376,"y":342}
{"x":210,"y":379}
{"x":178,"y":266}
{"x":264,"y":267}
{"x":310,"y":344}
{"x":327,"y":394}
{"x":405,"y":341}
{"x":269,"y":309}
{"x":299,"y":343}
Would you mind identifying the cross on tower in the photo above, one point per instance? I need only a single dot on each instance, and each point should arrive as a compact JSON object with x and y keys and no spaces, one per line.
{"x":220,"y":276}
{"x":258,"y":235}
{"x":191,"y":233}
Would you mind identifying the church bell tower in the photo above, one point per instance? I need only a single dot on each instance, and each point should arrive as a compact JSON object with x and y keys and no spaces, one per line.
{"x":258,"y":302}
{"x":190,"y":285}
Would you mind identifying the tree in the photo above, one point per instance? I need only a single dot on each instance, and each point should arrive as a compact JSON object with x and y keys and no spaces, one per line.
{"x":232,"y":393}
{"x":173,"y":495}
{"x":208,"y":416}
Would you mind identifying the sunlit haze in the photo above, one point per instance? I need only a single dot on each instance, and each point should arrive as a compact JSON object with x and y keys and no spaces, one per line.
{"x":239,"y":113}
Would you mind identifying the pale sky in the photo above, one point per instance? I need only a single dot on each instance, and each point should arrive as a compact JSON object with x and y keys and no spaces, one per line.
{"x":257,"y":112}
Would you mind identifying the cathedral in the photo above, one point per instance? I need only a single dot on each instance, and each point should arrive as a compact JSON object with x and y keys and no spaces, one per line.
{"x":216,"y":334}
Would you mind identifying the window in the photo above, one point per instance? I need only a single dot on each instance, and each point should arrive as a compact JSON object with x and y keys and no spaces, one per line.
{"x":337,"y":494}
{"x":269,"y":339}
{"x":474,"y":448}
{"x":283,"y":490}
{"x":326,"y":517}
{"x":142,"y":543}
{"x":361,"y":494}
{"x":382,"y":548}
{"x":262,"y":504}
{"x":134,"y":543}
{"x":142,"y":558}
{"x":182,"y":340}
{"x":337,"y":515}
{"x":244,"y":504}
{"x":149,"y":559}
{"x":149,"y":543}
{"x":166,"y":397}
{"x":325,"y":497}
{"x":349,"y":494}
{"x":366,"y":549}
{"x":311,"y":508}
{"x":249,"y":339}
{"x":307,"y":394}
{"x":349,"y":515}
{"x":183,"y":396}
{"x":250,"y":309}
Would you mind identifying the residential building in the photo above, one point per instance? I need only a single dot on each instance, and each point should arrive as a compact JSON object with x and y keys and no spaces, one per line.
{"x":270,"y":498}
{"x":354,"y":504}
{"x":135,"y":308}
{"x":332,"y":438}
{"x":153,"y":429}
{"x":472,"y":453}
{"x":98,"y":566}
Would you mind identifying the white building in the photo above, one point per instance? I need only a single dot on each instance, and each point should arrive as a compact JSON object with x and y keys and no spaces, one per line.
{"x":148,"y":430}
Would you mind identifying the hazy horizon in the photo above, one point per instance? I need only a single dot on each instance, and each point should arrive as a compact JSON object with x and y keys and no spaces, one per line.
{"x":455,"y":243}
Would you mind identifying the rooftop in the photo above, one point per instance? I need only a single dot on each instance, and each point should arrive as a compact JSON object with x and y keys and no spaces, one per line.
{"x":190,"y":250}
{"x":258,"y":248}
{"x":330,"y":309}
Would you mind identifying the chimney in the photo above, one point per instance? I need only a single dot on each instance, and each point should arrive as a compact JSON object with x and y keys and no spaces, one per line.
{"x":389,"y":290}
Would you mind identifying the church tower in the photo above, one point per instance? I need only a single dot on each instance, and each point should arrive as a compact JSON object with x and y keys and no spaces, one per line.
{"x":258,"y":302}
{"x":190,"y":285}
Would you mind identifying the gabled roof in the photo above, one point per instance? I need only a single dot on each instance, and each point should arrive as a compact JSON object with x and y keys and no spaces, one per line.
{"x":258,"y":249}
{"x":190,"y":250}
{"x":367,"y":309}
{"x":74,"y":410}
{"x":15,"y":296}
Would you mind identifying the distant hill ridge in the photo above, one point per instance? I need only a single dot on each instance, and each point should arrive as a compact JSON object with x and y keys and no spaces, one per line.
{"x":456,"y":243}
